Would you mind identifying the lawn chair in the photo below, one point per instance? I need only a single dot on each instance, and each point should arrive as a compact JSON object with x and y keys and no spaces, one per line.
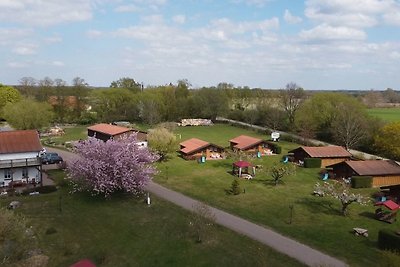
{"x":285,"y":159}
{"x":325,"y":176}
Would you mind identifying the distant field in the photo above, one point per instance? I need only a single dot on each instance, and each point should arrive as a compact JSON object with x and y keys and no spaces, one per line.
{"x":386,"y":114}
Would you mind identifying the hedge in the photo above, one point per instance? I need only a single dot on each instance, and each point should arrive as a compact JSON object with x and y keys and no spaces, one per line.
{"x":312,"y":163}
{"x":42,"y":189}
{"x":388,"y":240}
{"x":361,"y":181}
{"x":277,"y":149}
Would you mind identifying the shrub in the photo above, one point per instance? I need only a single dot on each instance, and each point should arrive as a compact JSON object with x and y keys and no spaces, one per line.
{"x":235,"y":187}
{"x":42,"y":189}
{"x":312,"y":163}
{"x":361,"y":181}
{"x":277,"y":149}
{"x":388,"y":240}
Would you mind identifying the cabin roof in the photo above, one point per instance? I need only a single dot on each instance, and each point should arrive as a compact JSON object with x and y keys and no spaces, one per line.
{"x":20,"y":141}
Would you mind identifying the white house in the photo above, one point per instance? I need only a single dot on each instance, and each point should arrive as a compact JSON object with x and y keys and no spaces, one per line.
{"x":19,"y":157}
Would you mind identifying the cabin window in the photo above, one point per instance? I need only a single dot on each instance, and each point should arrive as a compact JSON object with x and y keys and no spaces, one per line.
{"x":7,"y":173}
{"x":25,"y":172}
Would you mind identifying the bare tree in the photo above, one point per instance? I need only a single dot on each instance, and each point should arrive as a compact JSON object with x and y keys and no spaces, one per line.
{"x":201,"y":220}
{"x":291,"y":98}
{"x":350,"y":126}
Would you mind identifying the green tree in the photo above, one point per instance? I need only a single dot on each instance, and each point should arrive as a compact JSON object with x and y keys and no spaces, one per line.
{"x":8,"y":94}
{"x":162,"y":142}
{"x":114,"y":104}
{"x":235,"y":187}
{"x":278,"y":172}
{"x":127,"y":83}
{"x":387,"y":141}
{"x":28,"y":114}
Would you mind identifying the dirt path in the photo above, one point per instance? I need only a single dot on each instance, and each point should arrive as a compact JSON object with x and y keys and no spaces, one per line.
{"x":285,"y":245}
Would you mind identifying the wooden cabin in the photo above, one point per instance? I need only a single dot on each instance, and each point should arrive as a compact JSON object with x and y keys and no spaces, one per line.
{"x":328,"y":154}
{"x":384,"y":172}
{"x":252,"y":145}
{"x":104,"y":131}
{"x":194,"y":148}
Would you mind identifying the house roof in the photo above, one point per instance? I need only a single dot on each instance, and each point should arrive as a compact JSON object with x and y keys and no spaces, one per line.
{"x":372,"y":167}
{"x":390,"y":204}
{"x":109,"y":129}
{"x":244,"y":141}
{"x":20,"y":141}
{"x":324,"y":151}
{"x":242,"y":164}
{"x":192,"y":145}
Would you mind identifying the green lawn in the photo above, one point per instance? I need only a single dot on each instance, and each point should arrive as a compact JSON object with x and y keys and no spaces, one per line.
{"x":386,"y":114}
{"x":124,"y":231}
{"x":316,"y":221}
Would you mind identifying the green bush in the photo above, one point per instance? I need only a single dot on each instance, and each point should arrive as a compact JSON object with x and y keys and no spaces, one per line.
{"x":388,"y":240}
{"x":312,"y":163}
{"x":277,"y":149}
{"x":361,"y":181}
{"x":235,"y":187}
{"x":42,"y":189}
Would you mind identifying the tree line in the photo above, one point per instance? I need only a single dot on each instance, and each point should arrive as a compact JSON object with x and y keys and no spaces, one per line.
{"x":336,"y":117}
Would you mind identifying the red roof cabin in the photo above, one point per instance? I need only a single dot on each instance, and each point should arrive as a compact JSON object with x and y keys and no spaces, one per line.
{"x":104,"y":131}
{"x":328,"y":154}
{"x":383,"y":172}
{"x":250,"y":144}
{"x":194,"y":148}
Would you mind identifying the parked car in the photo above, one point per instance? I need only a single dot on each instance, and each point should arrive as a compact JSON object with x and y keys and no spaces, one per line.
{"x":51,"y":158}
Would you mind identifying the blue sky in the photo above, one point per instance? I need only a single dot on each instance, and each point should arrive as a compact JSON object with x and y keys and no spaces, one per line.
{"x":319,"y":44}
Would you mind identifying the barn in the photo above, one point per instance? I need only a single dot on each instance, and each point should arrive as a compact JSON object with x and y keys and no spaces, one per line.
{"x":195,"y":148}
{"x":383,"y":172}
{"x":328,"y":154}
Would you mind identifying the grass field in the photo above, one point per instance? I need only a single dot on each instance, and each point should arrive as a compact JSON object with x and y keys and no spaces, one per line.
{"x":124,"y":231}
{"x":386,"y":114}
{"x":316,"y":221}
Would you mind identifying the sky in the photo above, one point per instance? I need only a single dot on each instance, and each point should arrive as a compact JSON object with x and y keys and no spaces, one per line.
{"x":317,"y":44}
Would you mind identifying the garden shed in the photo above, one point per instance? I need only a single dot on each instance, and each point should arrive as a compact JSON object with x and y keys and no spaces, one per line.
{"x":328,"y":154}
{"x":383,"y":172}
{"x":251,"y":145}
{"x":194,"y":148}
{"x":104,"y":131}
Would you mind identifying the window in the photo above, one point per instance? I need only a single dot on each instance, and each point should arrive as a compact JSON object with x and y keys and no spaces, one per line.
{"x":25,"y":172}
{"x":7,"y":173}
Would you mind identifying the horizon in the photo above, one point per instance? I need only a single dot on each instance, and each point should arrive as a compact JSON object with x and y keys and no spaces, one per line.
{"x":319,"y":45}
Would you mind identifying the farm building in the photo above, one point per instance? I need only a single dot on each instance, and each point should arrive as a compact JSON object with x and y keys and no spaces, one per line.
{"x":104,"y":131}
{"x":19,"y":158}
{"x":251,"y":145}
{"x":383,"y":172}
{"x":195,"y":148}
{"x":328,"y":154}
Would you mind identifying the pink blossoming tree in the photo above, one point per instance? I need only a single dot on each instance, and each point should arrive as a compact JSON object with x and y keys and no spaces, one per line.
{"x":115,"y":165}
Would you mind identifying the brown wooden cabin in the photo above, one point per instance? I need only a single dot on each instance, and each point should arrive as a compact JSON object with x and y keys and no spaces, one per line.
{"x":384,"y":172}
{"x":328,"y":154}
{"x":194,"y":148}
{"x":104,"y":131}
{"x":251,"y":145}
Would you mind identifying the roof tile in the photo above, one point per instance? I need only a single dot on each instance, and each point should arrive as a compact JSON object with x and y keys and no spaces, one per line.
{"x":20,"y":141}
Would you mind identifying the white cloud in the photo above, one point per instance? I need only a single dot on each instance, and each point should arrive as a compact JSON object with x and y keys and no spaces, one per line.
{"x":25,"y":49}
{"x":94,"y":33}
{"x":9,"y":35}
{"x":53,"y":39}
{"x":355,"y":13}
{"x":14,"y":64}
{"x":57,"y":63}
{"x":258,"y":3}
{"x":127,"y":8}
{"x":325,"y":32}
{"x":45,"y":13}
{"x":180,"y":19}
{"x":289,"y":18}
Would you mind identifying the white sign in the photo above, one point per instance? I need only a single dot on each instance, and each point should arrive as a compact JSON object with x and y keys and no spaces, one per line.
{"x":275,"y":136}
